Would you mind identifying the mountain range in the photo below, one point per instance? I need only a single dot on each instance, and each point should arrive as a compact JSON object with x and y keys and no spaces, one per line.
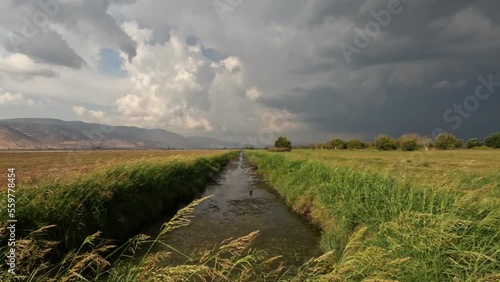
{"x":54,"y":134}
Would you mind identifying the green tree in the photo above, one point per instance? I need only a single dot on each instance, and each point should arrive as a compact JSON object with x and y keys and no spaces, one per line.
{"x":447,"y":141}
{"x":355,"y":144}
{"x":493,"y":141}
{"x":385,"y":143}
{"x":283,"y":142}
{"x":472,"y":143}
{"x":408,"y":145}
{"x":412,"y":142}
{"x":337,"y":144}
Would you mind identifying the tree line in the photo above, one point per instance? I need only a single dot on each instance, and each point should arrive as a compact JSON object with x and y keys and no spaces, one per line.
{"x":411,"y":142}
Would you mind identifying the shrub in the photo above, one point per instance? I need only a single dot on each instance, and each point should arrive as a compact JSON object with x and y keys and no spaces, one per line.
{"x":473,"y":143}
{"x":355,"y":144}
{"x":337,"y":144}
{"x":385,"y":143}
{"x":447,"y":141}
{"x":460,"y":144}
{"x":283,"y":142}
{"x":493,"y":141}
{"x":408,"y":145}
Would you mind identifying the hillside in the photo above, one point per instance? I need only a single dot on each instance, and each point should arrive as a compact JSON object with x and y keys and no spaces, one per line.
{"x":54,"y":134}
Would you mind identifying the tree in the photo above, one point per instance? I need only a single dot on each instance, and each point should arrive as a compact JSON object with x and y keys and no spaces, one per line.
{"x":408,"y":145}
{"x":411,"y":142}
{"x":493,"y":141}
{"x":422,"y":142}
{"x":337,"y":144}
{"x":385,"y":143}
{"x":355,"y":144}
{"x":473,"y":143}
{"x":283,"y":142}
{"x":447,"y":141}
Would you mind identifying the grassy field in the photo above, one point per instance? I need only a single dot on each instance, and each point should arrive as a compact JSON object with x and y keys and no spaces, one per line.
{"x":458,"y":168}
{"x":423,"y":216}
{"x":33,"y":167}
{"x":385,"y":216}
{"x":69,"y":219}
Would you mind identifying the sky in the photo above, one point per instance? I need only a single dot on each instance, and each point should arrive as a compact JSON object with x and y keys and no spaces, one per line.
{"x":250,"y":71}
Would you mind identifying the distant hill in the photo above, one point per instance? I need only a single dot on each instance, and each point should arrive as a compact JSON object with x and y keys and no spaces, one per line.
{"x":47,"y":134}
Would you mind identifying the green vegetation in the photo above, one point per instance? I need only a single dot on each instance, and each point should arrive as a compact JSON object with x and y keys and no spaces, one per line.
{"x":231,"y":260}
{"x":409,"y":145}
{"x":385,"y":215}
{"x":355,"y":144}
{"x":493,"y":140}
{"x":411,"y":142}
{"x":114,"y":201}
{"x":447,"y":141}
{"x":337,"y":144}
{"x":394,"y":223}
{"x":473,"y":143}
{"x":283,"y":143}
{"x":385,"y":143}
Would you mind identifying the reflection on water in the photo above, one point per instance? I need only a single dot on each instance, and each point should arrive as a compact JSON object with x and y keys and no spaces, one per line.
{"x":243,"y":203}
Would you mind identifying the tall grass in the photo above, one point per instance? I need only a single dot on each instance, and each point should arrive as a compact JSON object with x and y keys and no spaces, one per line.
{"x":380,"y":227}
{"x":231,"y":260}
{"x":116,"y":201}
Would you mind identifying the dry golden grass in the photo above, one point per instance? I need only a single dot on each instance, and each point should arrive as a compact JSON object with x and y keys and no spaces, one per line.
{"x":32,"y":167}
{"x":464,"y":168}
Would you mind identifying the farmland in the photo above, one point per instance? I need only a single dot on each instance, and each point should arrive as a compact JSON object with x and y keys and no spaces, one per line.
{"x":33,"y":167}
{"x":423,"y":216}
{"x":399,"y":216}
{"x":62,"y":214}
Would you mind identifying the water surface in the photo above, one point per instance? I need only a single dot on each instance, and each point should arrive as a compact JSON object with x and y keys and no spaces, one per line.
{"x":241,"y":203}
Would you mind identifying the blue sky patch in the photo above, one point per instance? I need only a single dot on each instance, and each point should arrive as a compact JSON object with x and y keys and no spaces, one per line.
{"x":110,"y":63}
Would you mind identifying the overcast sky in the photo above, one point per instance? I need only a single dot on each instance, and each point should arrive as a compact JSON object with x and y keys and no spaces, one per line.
{"x":239,"y":69}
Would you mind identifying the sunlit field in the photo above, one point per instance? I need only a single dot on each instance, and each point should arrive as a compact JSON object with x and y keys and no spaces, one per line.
{"x":383,"y":216}
{"x":458,"y":168}
{"x":76,"y":217}
{"x":32,"y":167}
{"x":396,"y":216}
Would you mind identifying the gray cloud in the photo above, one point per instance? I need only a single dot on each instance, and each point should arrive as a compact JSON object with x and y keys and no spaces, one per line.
{"x":424,"y":62}
{"x":32,"y":30}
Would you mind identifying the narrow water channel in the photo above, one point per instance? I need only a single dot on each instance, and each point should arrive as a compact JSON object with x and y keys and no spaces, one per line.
{"x":242,"y":203}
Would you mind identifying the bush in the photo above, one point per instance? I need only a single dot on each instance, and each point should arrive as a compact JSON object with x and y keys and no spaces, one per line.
{"x":493,"y":141}
{"x":337,"y":144}
{"x":420,"y":141}
{"x":354,"y":144}
{"x":408,"y":145}
{"x":447,"y":141}
{"x":473,"y":143}
{"x":385,"y":143}
{"x":283,"y":142}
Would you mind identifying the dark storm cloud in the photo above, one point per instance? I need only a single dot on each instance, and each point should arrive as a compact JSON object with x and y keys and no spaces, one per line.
{"x":423,"y":62}
{"x":423,"y":29}
{"x":46,"y":46}
{"x":419,"y":109}
{"x":429,"y":43}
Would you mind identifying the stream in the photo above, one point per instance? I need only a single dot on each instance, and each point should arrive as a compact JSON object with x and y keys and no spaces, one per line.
{"x":241,"y":203}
